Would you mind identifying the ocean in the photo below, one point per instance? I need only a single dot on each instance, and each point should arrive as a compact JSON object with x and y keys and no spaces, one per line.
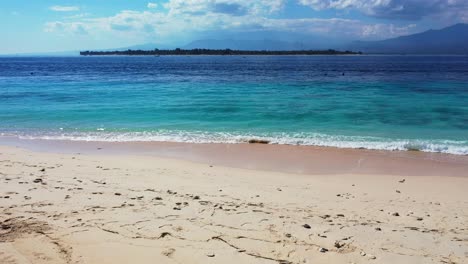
{"x":372,"y":102}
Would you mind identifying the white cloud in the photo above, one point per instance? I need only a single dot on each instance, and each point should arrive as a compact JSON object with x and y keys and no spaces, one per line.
{"x":66,"y":27}
{"x":396,"y":9}
{"x":224,"y":6}
{"x":78,"y":16}
{"x":152,"y":5}
{"x":180,"y":20}
{"x":163,"y":26}
{"x":58,"y":8}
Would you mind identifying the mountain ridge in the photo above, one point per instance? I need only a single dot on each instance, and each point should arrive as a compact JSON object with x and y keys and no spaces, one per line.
{"x":448,"y":40}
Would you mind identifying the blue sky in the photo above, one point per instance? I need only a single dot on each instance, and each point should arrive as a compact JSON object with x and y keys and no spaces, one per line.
{"x":43,"y":26}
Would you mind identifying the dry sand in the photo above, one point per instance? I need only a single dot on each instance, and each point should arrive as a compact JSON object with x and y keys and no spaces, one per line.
{"x":104,"y":208}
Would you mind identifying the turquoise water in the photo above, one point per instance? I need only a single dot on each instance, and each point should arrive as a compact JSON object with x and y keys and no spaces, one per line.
{"x":374,"y":102}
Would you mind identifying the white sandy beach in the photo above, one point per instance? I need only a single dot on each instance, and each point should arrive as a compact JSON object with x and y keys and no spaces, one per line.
{"x":104,"y":208}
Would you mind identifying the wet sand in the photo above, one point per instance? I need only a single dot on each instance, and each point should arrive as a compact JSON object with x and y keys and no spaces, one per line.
{"x":69,"y":202}
{"x":278,"y":158}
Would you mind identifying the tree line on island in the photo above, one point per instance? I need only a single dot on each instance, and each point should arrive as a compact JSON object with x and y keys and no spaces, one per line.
{"x":158,"y":52}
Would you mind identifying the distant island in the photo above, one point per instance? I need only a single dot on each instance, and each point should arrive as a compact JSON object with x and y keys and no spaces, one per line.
{"x":158,"y":52}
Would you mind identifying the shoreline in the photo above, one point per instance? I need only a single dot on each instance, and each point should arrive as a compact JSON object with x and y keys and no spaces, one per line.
{"x":269,"y":157}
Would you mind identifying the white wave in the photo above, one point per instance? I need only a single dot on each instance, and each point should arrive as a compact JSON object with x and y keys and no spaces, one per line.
{"x":306,"y":139}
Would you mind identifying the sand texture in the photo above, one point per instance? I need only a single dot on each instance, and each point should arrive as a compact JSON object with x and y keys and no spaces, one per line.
{"x":70,"y":208}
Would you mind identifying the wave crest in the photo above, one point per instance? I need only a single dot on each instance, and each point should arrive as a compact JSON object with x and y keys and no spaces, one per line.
{"x":306,"y":139}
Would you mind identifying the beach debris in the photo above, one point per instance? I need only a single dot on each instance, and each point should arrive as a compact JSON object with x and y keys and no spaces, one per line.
{"x":323,"y":250}
{"x":168,"y":252}
{"x":402,"y":181}
{"x":210,"y":255}
{"x":164,"y":234}
{"x":419,"y":218}
{"x":378,"y":229}
{"x":42,"y":170}
{"x":340,"y":215}
{"x":371,"y":256}
{"x":339,"y":244}
{"x":117,"y":194}
{"x":288,"y":235}
{"x":258,"y":141}
{"x":279,"y":189}
{"x":396,"y":214}
{"x":38,"y":180}
{"x":398,"y":191}
{"x":196,"y":197}
{"x":306,"y":226}
{"x":363,"y":253}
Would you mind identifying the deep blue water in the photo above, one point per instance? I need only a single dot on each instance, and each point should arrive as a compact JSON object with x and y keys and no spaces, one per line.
{"x":375,"y":102}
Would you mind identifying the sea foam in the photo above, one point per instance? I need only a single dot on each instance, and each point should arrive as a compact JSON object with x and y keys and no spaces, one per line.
{"x":304,"y":139}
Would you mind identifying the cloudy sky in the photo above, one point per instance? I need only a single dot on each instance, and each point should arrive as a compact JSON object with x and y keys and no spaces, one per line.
{"x":48,"y":25}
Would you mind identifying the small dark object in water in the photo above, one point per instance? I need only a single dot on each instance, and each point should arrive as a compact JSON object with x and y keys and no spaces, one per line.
{"x":413,"y":149}
{"x":258,"y":141}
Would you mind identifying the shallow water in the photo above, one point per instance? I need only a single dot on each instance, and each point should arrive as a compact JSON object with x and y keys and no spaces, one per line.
{"x":374,"y":102}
